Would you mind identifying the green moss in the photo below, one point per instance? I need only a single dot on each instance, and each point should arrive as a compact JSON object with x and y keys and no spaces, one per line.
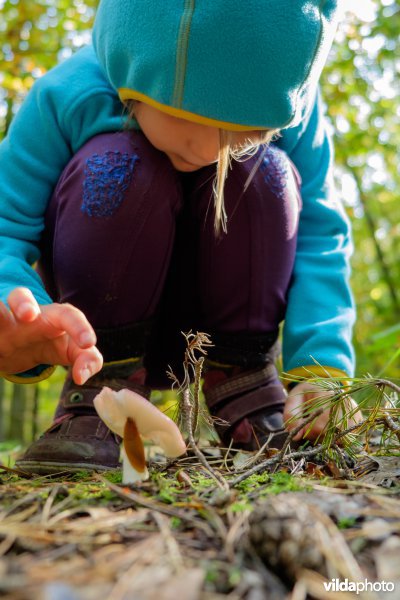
{"x":168,"y":487}
{"x":252,"y":482}
{"x":212,"y":575}
{"x":222,"y":577}
{"x":201,"y":482}
{"x":346,"y":522}
{"x":175,"y":522}
{"x":92,"y":493}
{"x":271,"y":483}
{"x":240,"y":506}
{"x":114,"y":476}
{"x":80,"y":475}
{"x":284,"y":482}
{"x":235,"y":576}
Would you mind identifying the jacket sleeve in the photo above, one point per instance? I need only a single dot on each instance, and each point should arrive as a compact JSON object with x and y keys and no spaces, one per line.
{"x":64,"y":109}
{"x":320,"y":314}
{"x":32,"y":157}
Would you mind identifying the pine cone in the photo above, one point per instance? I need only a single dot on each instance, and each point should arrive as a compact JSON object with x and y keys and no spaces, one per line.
{"x":282,"y":533}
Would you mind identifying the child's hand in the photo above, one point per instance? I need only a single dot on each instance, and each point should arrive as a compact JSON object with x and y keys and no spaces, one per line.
{"x":55,"y":334}
{"x":302,"y":395}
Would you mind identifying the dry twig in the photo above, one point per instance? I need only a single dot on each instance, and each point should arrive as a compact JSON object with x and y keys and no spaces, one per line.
{"x":192,"y":365}
{"x":216,"y":475}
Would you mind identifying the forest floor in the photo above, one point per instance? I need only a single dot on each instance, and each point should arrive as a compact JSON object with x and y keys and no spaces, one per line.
{"x":300,"y":528}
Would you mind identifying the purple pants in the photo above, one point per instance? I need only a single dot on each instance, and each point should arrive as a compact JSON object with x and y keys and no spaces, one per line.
{"x":129,"y":240}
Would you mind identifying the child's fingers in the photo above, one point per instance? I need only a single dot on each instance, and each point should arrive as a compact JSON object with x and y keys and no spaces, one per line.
{"x":317,"y":427}
{"x":299,"y":435}
{"x":355,"y":412}
{"x":23,"y":305}
{"x":298,"y":399}
{"x":87,"y":363}
{"x":61,"y":317}
{"x":68,"y":319}
{"x":293,"y":410}
{"x":292,"y":415}
{"x":6,"y":317}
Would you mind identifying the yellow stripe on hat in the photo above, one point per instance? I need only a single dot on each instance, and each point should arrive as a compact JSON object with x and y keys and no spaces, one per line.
{"x":128,"y":94}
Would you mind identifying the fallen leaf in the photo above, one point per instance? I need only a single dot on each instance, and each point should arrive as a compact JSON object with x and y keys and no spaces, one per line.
{"x":379,"y":470}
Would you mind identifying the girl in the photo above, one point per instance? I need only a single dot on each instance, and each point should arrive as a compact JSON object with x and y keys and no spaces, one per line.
{"x":131,"y":251}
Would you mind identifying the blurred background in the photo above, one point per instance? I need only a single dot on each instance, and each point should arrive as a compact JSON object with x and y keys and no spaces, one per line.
{"x":361,"y":88}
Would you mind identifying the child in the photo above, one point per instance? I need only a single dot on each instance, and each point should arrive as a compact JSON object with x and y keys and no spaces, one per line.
{"x":131,"y":251}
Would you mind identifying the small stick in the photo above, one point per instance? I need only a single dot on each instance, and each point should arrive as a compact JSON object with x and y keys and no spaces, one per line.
{"x":187,"y":409}
{"x":387,"y":383}
{"x":341,"y":434}
{"x":18,"y":472}
{"x":392,"y":425}
{"x":295,"y":431}
{"x":198,"y":368}
{"x":340,"y":453}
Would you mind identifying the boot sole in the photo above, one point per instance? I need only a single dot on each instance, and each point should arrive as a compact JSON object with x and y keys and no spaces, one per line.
{"x":52,"y":468}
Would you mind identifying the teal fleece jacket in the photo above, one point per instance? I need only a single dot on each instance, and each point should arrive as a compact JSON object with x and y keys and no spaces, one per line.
{"x":259,"y":69}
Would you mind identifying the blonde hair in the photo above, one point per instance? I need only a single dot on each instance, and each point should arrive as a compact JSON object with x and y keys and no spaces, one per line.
{"x":227,"y":153}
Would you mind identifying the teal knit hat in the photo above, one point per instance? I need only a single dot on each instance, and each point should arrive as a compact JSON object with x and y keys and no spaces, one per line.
{"x":236,"y":64}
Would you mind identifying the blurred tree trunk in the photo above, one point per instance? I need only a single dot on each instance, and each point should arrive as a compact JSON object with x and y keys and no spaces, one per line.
{"x":35,"y":412}
{"x":18,"y":411}
{"x":2,"y":408}
{"x":372,"y":226}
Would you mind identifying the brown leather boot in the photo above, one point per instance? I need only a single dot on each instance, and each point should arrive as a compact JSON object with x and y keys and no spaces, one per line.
{"x":243,"y":391}
{"x":78,"y":439}
{"x":248,"y":405}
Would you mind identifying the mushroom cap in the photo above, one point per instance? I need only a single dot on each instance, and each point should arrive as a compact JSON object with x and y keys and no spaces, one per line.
{"x":114,"y":408}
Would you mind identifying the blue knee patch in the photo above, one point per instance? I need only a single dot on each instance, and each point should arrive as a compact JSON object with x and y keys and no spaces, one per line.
{"x":107,"y":178}
{"x":275,"y":169}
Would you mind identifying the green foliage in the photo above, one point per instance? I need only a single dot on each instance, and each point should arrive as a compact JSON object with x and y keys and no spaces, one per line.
{"x":34,"y":36}
{"x":8,"y":451}
{"x":361,"y":87}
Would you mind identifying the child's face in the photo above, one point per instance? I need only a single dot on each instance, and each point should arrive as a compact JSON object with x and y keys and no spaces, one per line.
{"x":189,"y":146}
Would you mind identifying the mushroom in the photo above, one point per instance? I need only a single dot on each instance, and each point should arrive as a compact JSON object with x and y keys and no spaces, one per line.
{"x":131,"y":416}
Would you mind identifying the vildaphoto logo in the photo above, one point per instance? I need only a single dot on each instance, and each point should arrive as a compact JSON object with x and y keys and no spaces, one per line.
{"x":336,"y":585}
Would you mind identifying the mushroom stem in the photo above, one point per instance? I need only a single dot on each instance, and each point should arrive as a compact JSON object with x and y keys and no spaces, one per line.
{"x":133,"y":458}
{"x":129,"y":473}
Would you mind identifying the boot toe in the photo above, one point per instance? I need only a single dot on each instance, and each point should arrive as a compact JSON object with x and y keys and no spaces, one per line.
{"x":76,"y":442}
